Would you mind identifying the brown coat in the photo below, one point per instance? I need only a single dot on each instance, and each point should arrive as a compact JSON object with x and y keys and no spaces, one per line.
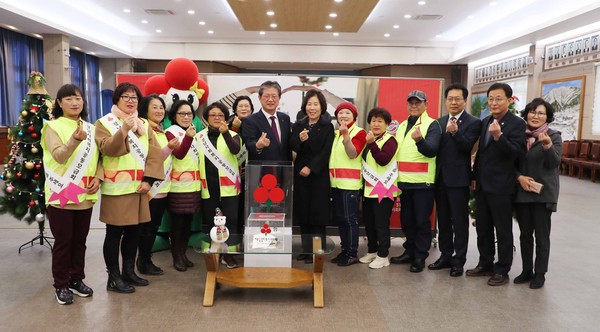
{"x":130,"y":209}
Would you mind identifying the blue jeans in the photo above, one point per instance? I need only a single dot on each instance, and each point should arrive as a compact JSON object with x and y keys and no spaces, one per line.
{"x":345,"y":214}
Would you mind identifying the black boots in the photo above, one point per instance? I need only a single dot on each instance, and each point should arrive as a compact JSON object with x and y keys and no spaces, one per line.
{"x":144,"y":261}
{"x":115,"y":283}
{"x":146,"y":266}
{"x":130,"y":276}
{"x":178,"y":262}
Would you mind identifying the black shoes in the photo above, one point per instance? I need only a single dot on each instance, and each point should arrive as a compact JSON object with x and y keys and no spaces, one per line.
{"x":80,"y":289}
{"x":441,"y":263}
{"x":64,"y":296}
{"x":417,"y":265}
{"x":307,"y":258}
{"x":480,"y":271}
{"x":229,"y":261}
{"x":402,"y":259}
{"x":498,"y":279}
{"x":130,"y":276}
{"x":456,"y":271}
{"x":537,"y":281}
{"x":347,"y":260}
{"x":336,"y":259}
{"x":524,"y":277}
{"x":147,"y":267}
{"x":116,"y":284}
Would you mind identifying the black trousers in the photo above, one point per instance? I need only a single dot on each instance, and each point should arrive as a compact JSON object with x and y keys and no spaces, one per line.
{"x":148,"y":230}
{"x":376,"y":216}
{"x":452,"y":205}
{"x":494,"y":212}
{"x":416,"y":206}
{"x":124,"y":237}
{"x":534,"y":218}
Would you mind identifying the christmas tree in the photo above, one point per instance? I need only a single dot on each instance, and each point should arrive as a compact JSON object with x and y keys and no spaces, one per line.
{"x":23,"y":173}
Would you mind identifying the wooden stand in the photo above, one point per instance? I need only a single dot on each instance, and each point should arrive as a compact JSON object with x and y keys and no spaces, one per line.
{"x":264,"y":277}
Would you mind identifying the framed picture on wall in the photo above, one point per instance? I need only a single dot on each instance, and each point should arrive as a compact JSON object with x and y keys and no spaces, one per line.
{"x":479,"y":105}
{"x":566,"y":96}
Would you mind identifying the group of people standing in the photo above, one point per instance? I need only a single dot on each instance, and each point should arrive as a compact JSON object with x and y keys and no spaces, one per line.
{"x":144,"y":170}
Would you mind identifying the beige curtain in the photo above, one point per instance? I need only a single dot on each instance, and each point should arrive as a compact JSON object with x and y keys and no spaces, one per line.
{"x":366,"y":98}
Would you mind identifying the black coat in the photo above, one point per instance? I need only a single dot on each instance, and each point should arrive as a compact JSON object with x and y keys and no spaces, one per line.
{"x":311,"y":193}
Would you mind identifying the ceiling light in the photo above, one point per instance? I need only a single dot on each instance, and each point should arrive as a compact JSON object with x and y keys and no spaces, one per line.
{"x":386,"y":35}
{"x":76,"y":48}
{"x":339,"y":0}
{"x":328,"y":27}
{"x":37,"y":35}
{"x":273,"y":25}
{"x":210,"y":32}
{"x":270,"y":13}
{"x":332,"y":15}
{"x":127,"y":10}
{"x":11,"y":27}
{"x":396,"y":26}
{"x":191,"y":12}
{"x":470,"y":17}
{"x":407,"y":16}
{"x":493,"y":3}
{"x":262,"y":33}
{"x":421,"y":3}
{"x":438,"y":36}
{"x":144,"y":22}
{"x":92,"y":53}
{"x":202,"y":23}
{"x":335,"y":34}
{"x":158,"y":30}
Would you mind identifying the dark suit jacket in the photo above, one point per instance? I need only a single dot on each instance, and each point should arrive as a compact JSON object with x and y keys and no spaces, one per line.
{"x":454,"y":155}
{"x":542,"y":166}
{"x":253,"y":128}
{"x":496,"y":162}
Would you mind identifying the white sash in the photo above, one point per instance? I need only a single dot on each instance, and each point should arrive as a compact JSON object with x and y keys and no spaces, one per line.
{"x":80,"y":164}
{"x":388,"y":178}
{"x":242,"y":156}
{"x":179,"y":133}
{"x":138,"y":151}
{"x":217,"y":159}
{"x":157,"y":186}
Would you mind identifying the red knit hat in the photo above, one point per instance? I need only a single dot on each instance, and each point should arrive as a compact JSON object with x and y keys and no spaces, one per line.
{"x":346,"y":105}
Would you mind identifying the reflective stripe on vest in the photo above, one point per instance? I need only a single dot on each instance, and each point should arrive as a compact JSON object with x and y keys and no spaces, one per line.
{"x":345,"y":173}
{"x":414,"y":167}
{"x":185,"y":176}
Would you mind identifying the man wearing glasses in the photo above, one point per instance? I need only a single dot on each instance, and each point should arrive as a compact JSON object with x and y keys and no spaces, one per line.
{"x":418,"y":139}
{"x":266,"y":133}
{"x":460,"y":131}
{"x":494,"y":173}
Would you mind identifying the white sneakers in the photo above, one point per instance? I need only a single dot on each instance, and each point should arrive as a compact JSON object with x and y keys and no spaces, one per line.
{"x":368,"y":258}
{"x":379,"y":262}
{"x":374,"y":261}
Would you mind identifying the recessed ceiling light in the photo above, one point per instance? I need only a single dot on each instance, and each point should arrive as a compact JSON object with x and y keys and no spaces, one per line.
{"x":202,"y":23}
{"x":386,"y":35}
{"x":328,"y":27}
{"x":270,"y":13}
{"x":158,"y":30}
{"x":396,"y":26}
{"x":127,"y":10}
{"x":438,"y":36}
{"x":273,"y":25}
{"x":470,"y":17}
{"x":339,"y":0}
{"x":262,"y":32}
{"x":335,"y":34}
{"x":493,"y":3}
{"x":332,"y":15}
{"x":210,"y":32}
{"x":37,"y":35}
{"x":421,"y":3}
{"x":191,"y":12}
{"x":76,"y":48}
{"x":407,"y":16}
{"x":11,"y":27}
{"x":92,"y":53}
{"x":144,"y":22}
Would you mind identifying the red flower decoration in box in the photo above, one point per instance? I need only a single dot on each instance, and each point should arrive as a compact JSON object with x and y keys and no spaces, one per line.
{"x":268,"y":191}
{"x":265,"y":229}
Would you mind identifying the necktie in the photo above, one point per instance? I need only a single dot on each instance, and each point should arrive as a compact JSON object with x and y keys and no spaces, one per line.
{"x":274,"y":127}
{"x":453,"y":119}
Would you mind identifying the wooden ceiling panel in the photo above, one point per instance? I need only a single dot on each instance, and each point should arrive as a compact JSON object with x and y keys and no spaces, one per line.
{"x":302,"y":15}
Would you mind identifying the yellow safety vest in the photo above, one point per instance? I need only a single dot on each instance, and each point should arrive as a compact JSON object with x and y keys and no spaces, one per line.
{"x":185,"y":176}
{"x":380,"y":170}
{"x":345,"y":173}
{"x":227,"y":187}
{"x":64,"y":128}
{"x":414,"y":167}
{"x":161,"y":137}
{"x":122,"y":175}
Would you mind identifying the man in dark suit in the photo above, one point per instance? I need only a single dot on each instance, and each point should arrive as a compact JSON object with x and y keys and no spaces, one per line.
{"x":502,"y":141}
{"x":460,"y":131}
{"x":266,"y":133}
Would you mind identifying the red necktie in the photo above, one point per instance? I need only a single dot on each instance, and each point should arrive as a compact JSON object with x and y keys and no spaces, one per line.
{"x":274,"y":127}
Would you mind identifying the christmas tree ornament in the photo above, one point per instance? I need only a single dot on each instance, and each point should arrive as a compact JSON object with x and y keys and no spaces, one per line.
{"x":31,"y":128}
{"x":29,"y":165}
{"x":34,"y":135}
{"x":40,"y":217}
{"x":36,"y":176}
{"x":34,"y":150}
{"x":9,"y":188}
{"x":8,"y":175}
{"x":24,"y":113}
{"x":38,"y":166}
{"x":1,"y":176}
{"x":20,"y":133}
{"x":19,"y":175}
{"x":31,"y":203}
{"x":37,"y":190}
{"x":34,"y":108}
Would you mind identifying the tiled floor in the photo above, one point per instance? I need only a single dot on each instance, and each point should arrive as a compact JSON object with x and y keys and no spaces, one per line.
{"x":356,"y":298}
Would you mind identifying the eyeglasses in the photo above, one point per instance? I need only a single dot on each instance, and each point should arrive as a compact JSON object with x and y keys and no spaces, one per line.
{"x":216,"y":116}
{"x":132,"y":99}
{"x":454,"y":99}
{"x":267,"y":97}
{"x":538,"y":114}
{"x":497,"y":100}
{"x":415,"y":103}
{"x":186,"y":114}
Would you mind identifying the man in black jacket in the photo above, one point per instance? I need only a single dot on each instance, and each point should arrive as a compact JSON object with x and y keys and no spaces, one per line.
{"x":502,"y":141}
{"x":460,"y":131}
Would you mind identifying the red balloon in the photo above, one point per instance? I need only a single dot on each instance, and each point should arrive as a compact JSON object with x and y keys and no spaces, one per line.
{"x":156,"y":84}
{"x":261,"y":194}
{"x":269,"y":181}
{"x":265,"y":226}
{"x":276,"y":195}
{"x":181,"y":73}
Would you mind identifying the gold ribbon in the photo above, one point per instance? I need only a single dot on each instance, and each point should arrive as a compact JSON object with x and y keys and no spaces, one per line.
{"x":198,"y":92}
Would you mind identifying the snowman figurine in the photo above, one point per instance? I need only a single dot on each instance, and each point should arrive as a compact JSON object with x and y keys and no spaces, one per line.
{"x":219,"y":233}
